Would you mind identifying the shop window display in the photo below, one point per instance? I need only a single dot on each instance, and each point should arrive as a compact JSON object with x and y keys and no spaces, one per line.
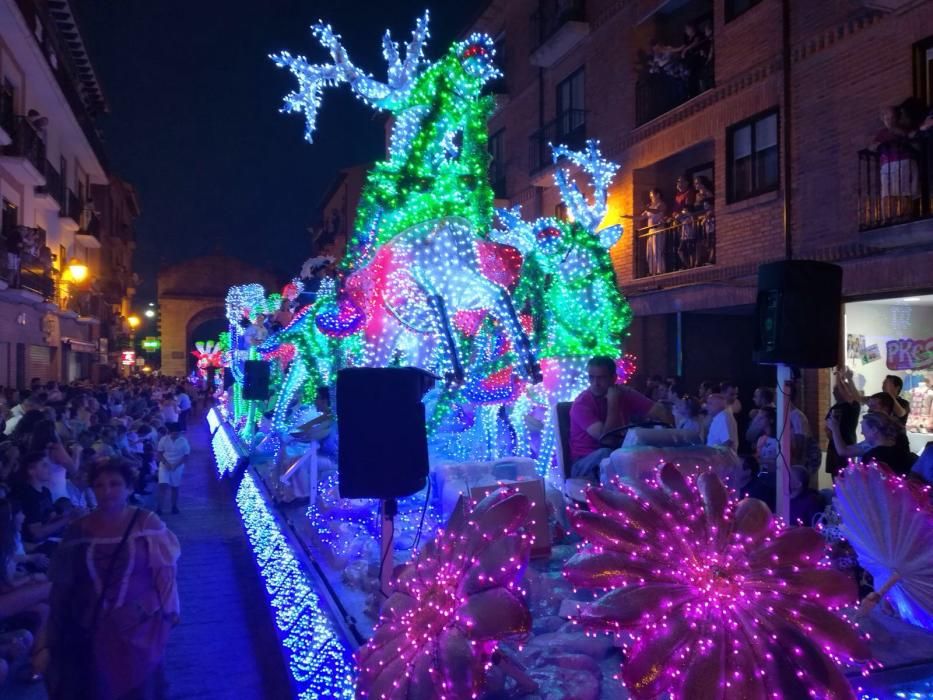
{"x":895,"y":337}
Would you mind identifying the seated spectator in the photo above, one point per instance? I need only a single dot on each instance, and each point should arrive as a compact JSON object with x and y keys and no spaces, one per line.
{"x":80,"y":492}
{"x":762,"y":398}
{"x":24,"y":599}
{"x":41,"y":521}
{"x":45,"y":439}
{"x":123,"y":638}
{"x":805,"y":503}
{"x":767,"y":447}
{"x":105,"y":445}
{"x":597,"y":414}
{"x":757,"y":482}
{"x":723,"y":431}
{"x":169,"y":410}
{"x":687,"y":414}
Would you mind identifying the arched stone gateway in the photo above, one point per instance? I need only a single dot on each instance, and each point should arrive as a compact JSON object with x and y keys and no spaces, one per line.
{"x":191,"y":293}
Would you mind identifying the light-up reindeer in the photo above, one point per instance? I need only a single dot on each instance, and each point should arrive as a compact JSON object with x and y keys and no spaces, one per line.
{"x":567,"y":280}
{"x":414,"y":260}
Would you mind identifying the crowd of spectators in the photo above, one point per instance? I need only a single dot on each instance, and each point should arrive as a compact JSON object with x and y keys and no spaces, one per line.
{"x":78,"y":458}
{"x":715,"y":416}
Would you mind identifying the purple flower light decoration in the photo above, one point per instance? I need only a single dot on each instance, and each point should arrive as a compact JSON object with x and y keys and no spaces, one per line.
{"x":452,"y":604}
{"x":721,"y":601}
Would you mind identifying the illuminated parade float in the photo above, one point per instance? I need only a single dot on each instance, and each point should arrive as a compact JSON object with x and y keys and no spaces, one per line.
{"x":502,"y":576}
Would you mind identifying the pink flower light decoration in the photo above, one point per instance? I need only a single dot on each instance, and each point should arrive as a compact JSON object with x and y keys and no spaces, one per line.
{"x":452,"y":604}
{"x":721,"y":601}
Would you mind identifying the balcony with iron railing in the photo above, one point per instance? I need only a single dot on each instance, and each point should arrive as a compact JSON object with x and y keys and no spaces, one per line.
{"x":25,"y":154}
{"x":21,"y":266}
{"x":7,"y":115}
{"x":895,"y":191}
{"x":557,"y":26}
{"x":54,"y":185}
{"x":680,"y":243}
{"x":675,"y":58}
{"x":569,"y":129}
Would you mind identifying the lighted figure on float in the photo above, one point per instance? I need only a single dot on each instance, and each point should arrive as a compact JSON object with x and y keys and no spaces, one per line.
{"x":416,"y":258}
{"x":428,"y":281}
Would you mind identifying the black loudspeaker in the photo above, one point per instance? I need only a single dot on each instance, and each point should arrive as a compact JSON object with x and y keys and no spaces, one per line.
{"x":256,"y":380}
{"x":798,"y":313}
{"x":382,"y":438}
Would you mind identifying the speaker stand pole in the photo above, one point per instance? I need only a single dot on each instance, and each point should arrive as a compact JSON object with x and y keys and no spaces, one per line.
{"x":785,"y":436}
{"x":386,"y":558}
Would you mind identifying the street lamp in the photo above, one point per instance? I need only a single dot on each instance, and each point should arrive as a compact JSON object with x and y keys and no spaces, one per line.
{"x":149,"y":313}
{"x":133,"y":321}
{"x":78,"y":270}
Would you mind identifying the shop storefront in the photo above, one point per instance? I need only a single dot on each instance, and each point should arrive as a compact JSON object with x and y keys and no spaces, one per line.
{"x":895,"y":336}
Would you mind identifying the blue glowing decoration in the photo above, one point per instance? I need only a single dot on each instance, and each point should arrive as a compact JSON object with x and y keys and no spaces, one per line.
{"x":226,"y":451}
{"x":213,"y":420}
{"x":320,"y":662}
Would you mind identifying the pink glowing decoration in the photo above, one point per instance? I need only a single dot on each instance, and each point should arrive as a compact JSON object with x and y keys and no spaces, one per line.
{"x":889,"y":523}
{"x":452,"y":604}
{"x":720,"y":600}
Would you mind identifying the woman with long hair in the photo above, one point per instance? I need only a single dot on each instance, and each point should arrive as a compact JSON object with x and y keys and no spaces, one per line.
{"x":114,"y":598}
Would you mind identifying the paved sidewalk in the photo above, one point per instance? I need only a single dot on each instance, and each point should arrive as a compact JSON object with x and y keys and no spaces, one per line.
{"x":226,"y":646}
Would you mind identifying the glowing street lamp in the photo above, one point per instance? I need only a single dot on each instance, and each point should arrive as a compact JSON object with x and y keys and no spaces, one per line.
{"x":149,"y":313}
{"x":78,"y":270}
{"x":133,"y":321}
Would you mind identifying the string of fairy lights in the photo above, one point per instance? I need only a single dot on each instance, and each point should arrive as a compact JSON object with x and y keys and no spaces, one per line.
{"x":320,"y":662}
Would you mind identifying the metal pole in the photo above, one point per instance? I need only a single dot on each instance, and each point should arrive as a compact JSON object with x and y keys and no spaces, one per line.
{"x":784,"y":436}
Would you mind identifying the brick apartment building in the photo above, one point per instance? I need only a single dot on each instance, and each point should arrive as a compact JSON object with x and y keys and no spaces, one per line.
{"x":66,"y":230}
{"x":777,"y":121}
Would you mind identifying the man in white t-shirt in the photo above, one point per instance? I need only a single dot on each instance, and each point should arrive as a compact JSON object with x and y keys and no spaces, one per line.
{"x":172,"y":451}
{"x":723,"y":431}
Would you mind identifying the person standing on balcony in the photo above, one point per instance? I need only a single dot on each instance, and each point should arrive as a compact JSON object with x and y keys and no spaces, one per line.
{"x":654,"y":232}
{"x":706,"y":219}
{"x":684,"y":202}
{"x":14,"y":242}
{"x":898,"y":165}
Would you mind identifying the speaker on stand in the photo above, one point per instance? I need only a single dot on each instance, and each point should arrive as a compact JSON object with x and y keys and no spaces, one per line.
{"x":798,"y":314}
{"x":382,"y":441}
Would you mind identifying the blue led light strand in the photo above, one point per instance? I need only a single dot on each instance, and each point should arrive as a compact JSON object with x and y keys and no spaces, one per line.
{"x":319,"y":661}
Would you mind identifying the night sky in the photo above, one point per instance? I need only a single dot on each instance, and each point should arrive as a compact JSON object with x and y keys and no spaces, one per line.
{"x":194,"y":121}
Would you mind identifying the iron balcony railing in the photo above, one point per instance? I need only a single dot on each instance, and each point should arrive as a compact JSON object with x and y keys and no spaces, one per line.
{"x":681,"y":244}
{"x":551,"y":15}
{"x":34,"y":277}
{"x":569,"y":129}
{"x":7,"y":112}
{"x":54,"y":184}
{"x":894,"y":183}
{"x":71,"y":206}
{"x":20,"y":264}
{"x":27,"y":143}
